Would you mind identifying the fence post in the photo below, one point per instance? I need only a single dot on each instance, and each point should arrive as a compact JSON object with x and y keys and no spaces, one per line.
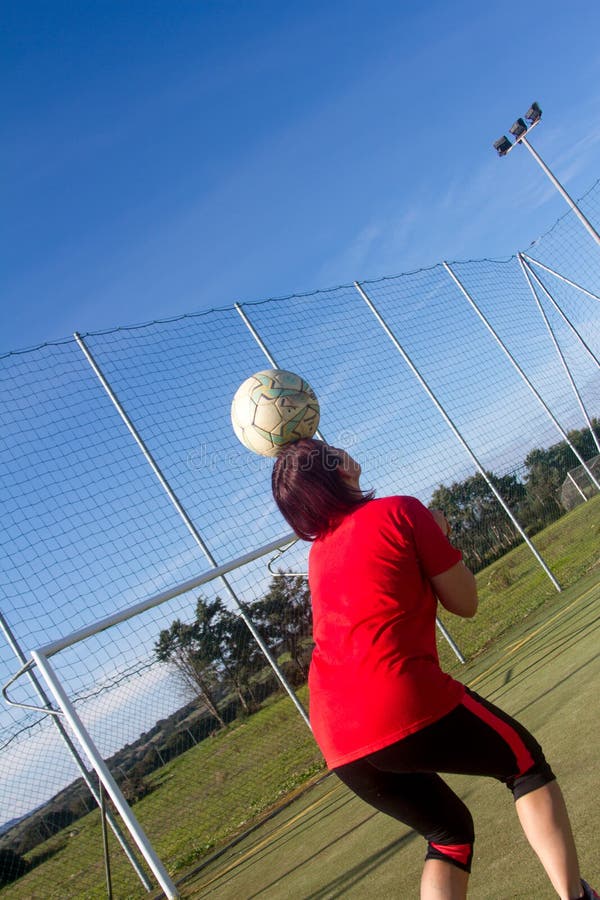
{"x":455,"y":430}
{"x":528,"y":272}
{"x":259,"y":340}
{"x":576,"y":486}
{"x":529,"y":260}
{"x":520,"y":371}
{"x":564,"y":278}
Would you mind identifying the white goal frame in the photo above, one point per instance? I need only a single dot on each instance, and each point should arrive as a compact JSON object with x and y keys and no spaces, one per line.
{"x":41,"y":659}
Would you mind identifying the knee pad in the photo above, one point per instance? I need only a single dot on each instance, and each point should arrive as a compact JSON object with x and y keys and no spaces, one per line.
{"x":453,"y":840}
{"x":459,"y":855}
{"x":536,"y":777}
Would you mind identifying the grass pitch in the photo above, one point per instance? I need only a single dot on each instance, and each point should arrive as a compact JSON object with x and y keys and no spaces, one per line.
{"x":329,"y":844}
{"x":544,"y":669}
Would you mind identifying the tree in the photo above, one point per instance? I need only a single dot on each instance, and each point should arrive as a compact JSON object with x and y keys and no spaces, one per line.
{"x":284,"y":614}
{"x":134,"y":786}
{"x":241,"y":657}
{"x":213,"y":654}
{"x":547,"y":470}
{"x":191,"y":650}
{"x":480,"y":526}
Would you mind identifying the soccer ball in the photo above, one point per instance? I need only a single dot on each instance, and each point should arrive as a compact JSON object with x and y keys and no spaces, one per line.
{"x":274,"y":408}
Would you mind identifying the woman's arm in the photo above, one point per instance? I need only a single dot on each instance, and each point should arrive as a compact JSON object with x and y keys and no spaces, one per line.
{"x":456,"y":590}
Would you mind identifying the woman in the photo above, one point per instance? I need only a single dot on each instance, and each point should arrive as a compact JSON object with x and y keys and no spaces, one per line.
{"x":385,"y":716}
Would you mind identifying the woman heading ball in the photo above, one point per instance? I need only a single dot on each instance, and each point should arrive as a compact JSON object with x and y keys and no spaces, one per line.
{"x":386,"y":717}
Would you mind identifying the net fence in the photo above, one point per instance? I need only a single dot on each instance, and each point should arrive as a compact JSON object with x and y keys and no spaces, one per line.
{"x":471,"y":385}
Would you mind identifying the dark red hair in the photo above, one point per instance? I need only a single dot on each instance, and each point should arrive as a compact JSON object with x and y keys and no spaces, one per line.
{"x":309,"y":490}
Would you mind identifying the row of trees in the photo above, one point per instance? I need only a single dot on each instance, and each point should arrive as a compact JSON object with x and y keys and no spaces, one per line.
{"x":480,"y":526}
{"x":216,"y":656}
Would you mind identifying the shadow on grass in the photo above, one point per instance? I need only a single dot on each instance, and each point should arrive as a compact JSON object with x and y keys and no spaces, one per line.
{"x":340,"y":883}
{"x":337,"y":887}
{"x":44,"y":856}
{"x":304,"y":855}
{"x":539,"y":654}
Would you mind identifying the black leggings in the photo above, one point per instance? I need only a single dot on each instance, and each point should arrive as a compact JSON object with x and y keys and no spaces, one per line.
{"x":476,"y":738}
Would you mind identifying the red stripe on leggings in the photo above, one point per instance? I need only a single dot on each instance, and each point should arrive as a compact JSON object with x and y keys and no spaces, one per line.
{"x":524,"y":758}
{"x":460,"y":852}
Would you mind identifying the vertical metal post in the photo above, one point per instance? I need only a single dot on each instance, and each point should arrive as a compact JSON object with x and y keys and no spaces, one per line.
{"x":528,"y":272}
{"x":454,"y":430}
{"x":104,"y":775}
{"x":188,"y":522}
{"x":564,"y":278}
{"x":453,"y":645}
{"x":584,"y":221}
{"x":103,"y":812}
{"x":564,"y":317}
{"x":518,"y":369}
{"x":576,"y":486}
{"x":271,"y":359}
{"x":14,"y":645}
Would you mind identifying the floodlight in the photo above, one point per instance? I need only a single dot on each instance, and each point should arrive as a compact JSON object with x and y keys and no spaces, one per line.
{"x":502,"y":145}
{"x":534,"y":113}
{"x":518,"y":128}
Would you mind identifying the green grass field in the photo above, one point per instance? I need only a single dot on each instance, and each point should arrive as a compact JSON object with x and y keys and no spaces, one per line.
{"x":532,"y":649}
{"x":329,"y":844}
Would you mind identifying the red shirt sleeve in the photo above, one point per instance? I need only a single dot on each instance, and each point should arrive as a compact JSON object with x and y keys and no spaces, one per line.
{"x":434,"y":551}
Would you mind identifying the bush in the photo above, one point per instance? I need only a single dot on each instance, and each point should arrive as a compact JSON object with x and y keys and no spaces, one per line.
{"x":12,"y":866}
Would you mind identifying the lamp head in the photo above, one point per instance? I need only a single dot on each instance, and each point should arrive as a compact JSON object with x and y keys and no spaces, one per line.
{"x":534,"y":113}
{"x":518,"y":128}
{"x":502,"y":145}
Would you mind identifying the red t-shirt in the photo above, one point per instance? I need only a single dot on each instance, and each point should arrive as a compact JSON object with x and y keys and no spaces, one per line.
{"x":375,"y":675}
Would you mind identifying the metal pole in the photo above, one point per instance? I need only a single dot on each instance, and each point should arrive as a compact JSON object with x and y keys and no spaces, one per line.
{"x":585,"y":222}
{"x":563,"y":316}
{"x":271,"y":359}
{"x":157,"y":599}
{"x":562,"y":277}
{"x":444,"y":631}
{"x":526,"y":269}
{"x":15,"y":647}
{"x":103,"y":811}
{"x":128,"y":613}
{"x":187,"y":521}
{"x":264,"y":348}
{"x":454,"y":429}
{"x":576,"y":486}
{"x":518,"y":368}
{"x":104,"y":775}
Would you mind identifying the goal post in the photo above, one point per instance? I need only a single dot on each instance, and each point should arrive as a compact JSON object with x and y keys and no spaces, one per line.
{"x":41,"y":659}
{"x":103,"y":772}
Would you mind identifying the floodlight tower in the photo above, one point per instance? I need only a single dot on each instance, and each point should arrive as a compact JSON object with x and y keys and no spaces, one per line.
{"x":520,"y":129}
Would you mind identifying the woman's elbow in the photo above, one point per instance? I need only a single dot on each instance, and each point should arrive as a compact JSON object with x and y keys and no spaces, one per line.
{"x":470,"y":598}
{"x":471,"y":607}
{"x":456,"y":590}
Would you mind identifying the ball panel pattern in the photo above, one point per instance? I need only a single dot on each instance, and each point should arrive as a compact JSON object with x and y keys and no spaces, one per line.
{"x":274,"y":408}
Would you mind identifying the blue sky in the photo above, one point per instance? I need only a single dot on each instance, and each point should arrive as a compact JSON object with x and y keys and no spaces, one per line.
{"x":161,"y":158}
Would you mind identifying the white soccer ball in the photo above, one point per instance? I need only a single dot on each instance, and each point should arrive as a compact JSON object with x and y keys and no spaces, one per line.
{"x":274,"y":408}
